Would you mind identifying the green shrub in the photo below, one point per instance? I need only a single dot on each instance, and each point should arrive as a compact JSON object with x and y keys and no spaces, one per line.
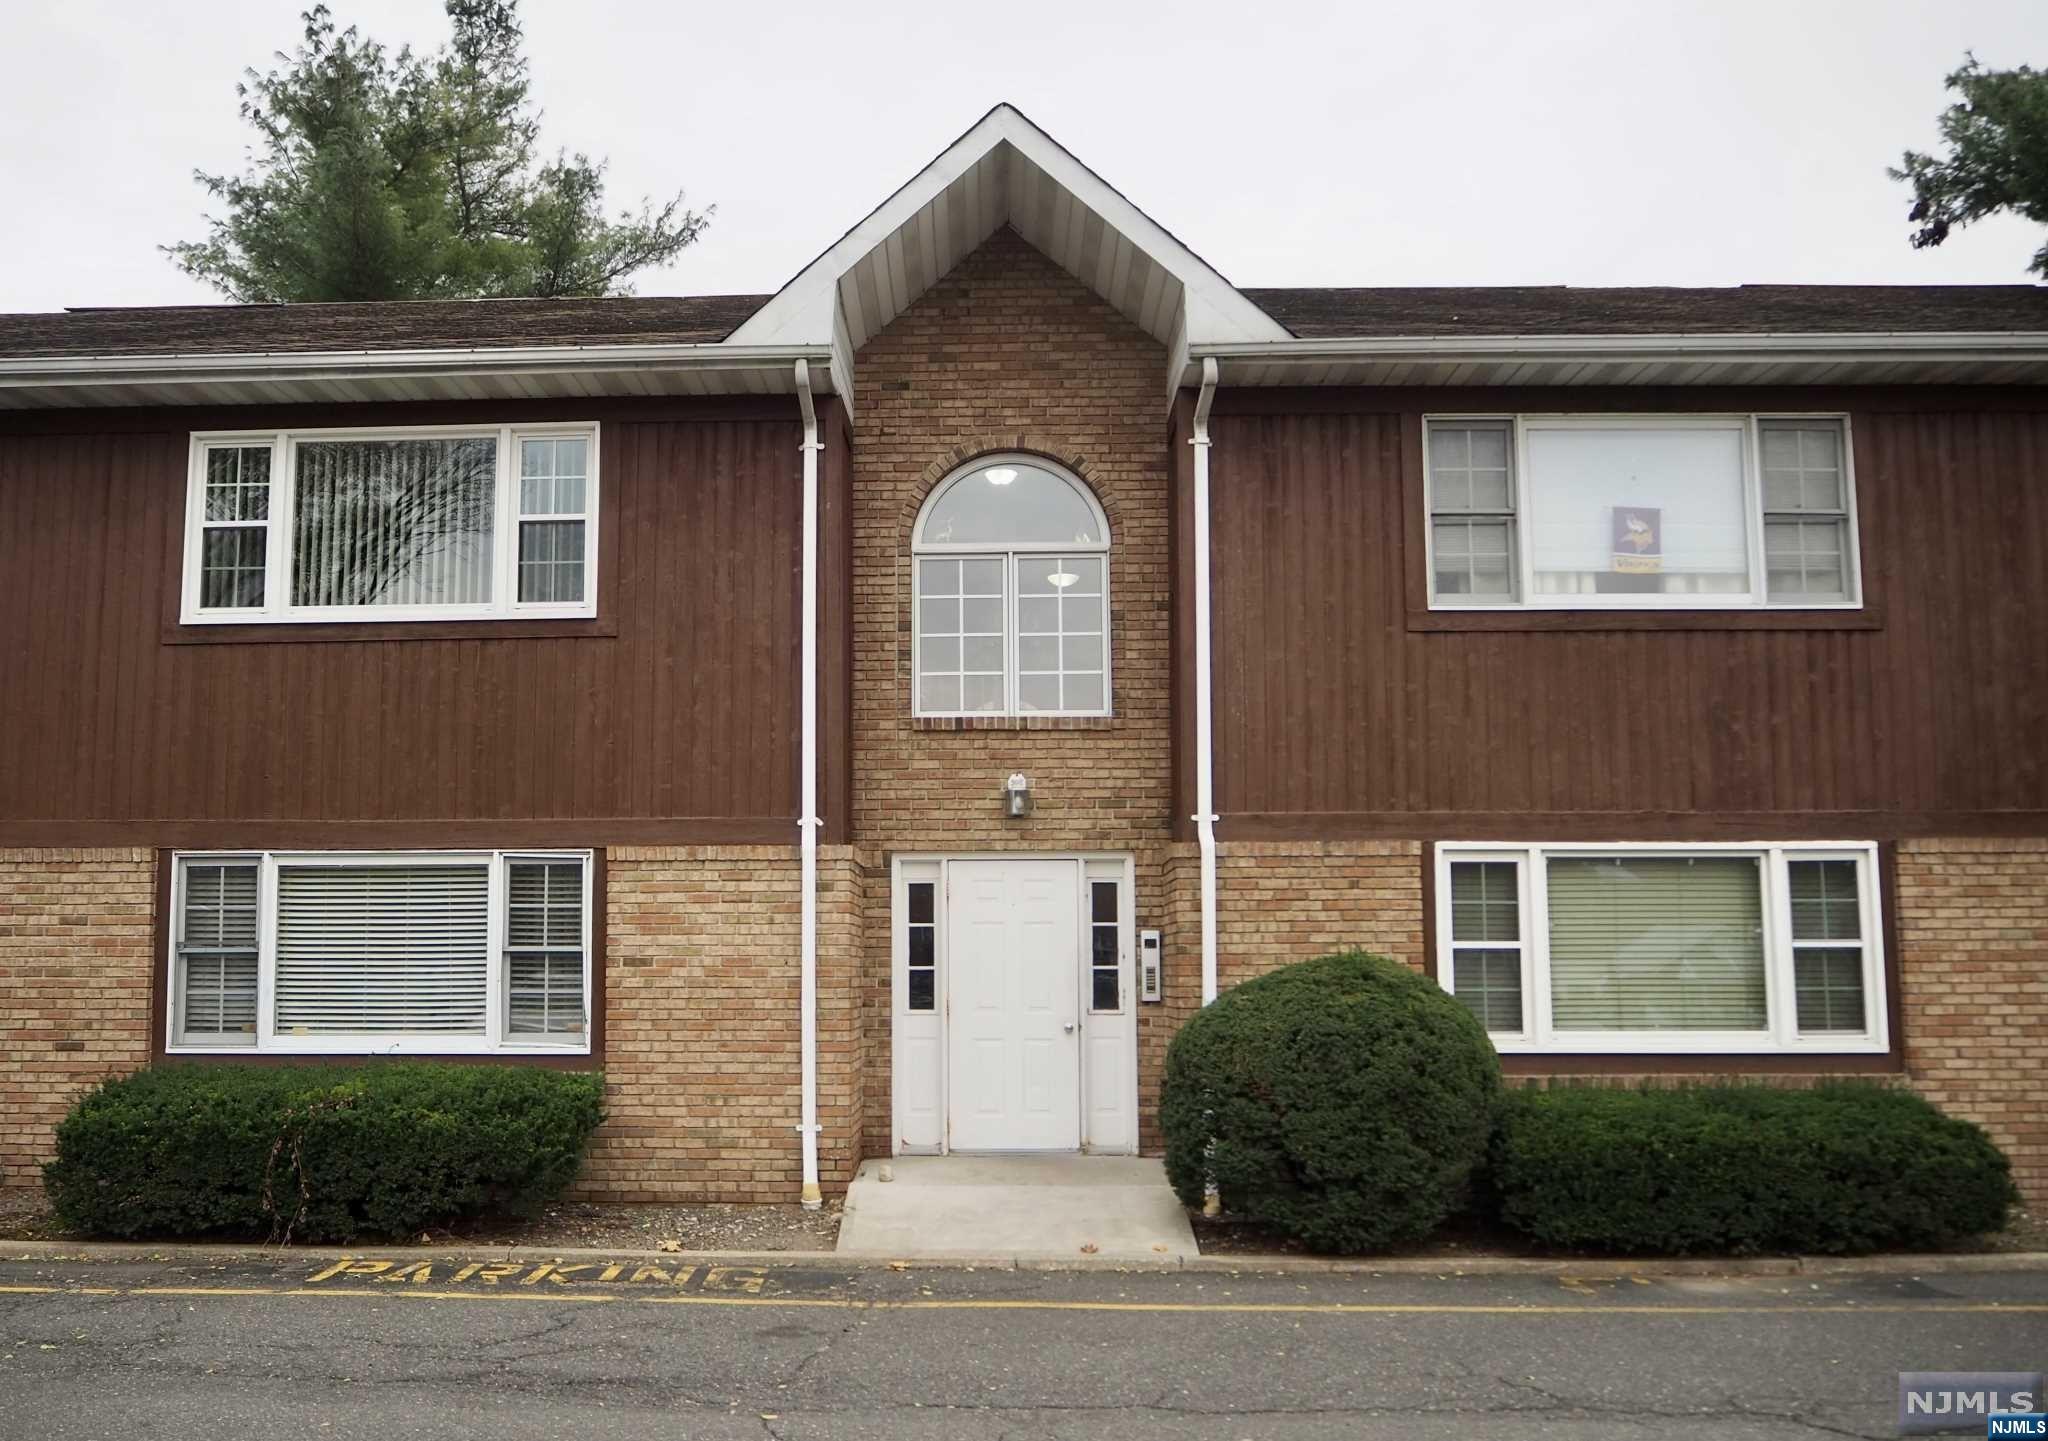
{"x":1343,"y":1101}
{"x":1732,"y":1169}
{"x":317,"y":1153}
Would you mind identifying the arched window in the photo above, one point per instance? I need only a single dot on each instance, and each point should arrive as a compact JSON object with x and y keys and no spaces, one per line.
{"x":1011,"y":593}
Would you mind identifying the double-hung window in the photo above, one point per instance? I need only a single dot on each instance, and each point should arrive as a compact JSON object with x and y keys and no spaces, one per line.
{"x":1655,"y":948}
{"x":409,"y":952}
{"x":419,"y":524}
{"x":1011,"y":594}
{"x":1690,"y":512}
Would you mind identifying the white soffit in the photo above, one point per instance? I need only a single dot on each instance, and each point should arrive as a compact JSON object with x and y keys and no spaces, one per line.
{"x":1005,"y":170}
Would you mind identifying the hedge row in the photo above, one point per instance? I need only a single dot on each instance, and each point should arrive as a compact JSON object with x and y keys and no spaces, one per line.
{"x":318,"y":1153}
{"x":1843,"y":1167}
{"x":1352,"y":1104}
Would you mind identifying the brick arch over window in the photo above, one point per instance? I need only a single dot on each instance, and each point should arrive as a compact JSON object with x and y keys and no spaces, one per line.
{"x":1009,"y":600}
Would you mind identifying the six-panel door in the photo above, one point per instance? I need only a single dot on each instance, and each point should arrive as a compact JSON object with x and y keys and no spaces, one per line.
{"x":1015,"y":1054}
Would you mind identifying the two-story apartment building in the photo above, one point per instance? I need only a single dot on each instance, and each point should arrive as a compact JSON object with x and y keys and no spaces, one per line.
{"x":868,"y":719}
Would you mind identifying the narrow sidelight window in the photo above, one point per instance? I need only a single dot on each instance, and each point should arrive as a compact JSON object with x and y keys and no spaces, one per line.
{"x":1105,"y":941}
{"x":924,"y":947}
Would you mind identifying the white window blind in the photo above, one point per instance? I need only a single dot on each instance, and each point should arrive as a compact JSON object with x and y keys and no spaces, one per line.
{"x":421,"y":523}
{"x":394,"y":522}
{"x":217,"y":952}
{"x":544,"y":948}
{"x":1656,"y":944}
{"x":1715,"y":948}
{"x":382,"y":949}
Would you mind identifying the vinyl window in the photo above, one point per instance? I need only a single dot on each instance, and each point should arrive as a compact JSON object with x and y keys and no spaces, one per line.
{"x":361,"y":953}
{"x":1010,"y":594}
{"x":1701,"y":949}
{"x":1634,"y":512}
{"x":416,"y":524}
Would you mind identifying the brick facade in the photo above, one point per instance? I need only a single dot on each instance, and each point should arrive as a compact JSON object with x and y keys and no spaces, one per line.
{"x":75,"y":965}
{"x":1973,"y":952}
{"x":701,"y":1024}
{"x":1007,"y":352}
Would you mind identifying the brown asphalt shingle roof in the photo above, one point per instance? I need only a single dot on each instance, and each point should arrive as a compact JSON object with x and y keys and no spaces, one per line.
{"x":1412,"y":311}
{"x":382,"y":325}
{"x":1656,"y":310}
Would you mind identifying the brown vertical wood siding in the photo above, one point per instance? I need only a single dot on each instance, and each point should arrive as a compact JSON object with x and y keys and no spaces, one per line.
{"x":671,"y":718}
{"x":1343,"y":707}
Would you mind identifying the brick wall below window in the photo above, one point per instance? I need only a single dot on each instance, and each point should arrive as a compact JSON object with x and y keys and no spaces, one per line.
{"x":702,"y":1040}
{"x":75,"y":962}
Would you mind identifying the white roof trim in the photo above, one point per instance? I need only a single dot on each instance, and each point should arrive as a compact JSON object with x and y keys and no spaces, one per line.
{"x":1676,"y":359}
{"x":712,"y":368}
{"x":807,"y":309}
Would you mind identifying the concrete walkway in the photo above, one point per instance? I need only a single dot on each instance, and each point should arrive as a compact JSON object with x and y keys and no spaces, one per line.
{"x":1113,"y":1208}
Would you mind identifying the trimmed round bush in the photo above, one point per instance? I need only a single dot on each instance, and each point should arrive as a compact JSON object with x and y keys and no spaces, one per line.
{"x":1844,"y":1167}
{"x":1343,"y":1101}
{"x":318,"y":1153}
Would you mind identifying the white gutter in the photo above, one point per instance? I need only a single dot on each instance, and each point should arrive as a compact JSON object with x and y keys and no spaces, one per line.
{"x":1775,"y":348}
{"x":57,"y":370}
{"x":1205,"y":778}
{"x":807,"y":820}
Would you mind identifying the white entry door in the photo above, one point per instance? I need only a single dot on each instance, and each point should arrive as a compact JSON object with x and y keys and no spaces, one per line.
{"x":1014,"y":1052}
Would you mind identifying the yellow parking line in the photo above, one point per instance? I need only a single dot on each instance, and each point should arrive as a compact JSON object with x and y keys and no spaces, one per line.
{"x":1193,"y":1308}
{"x":58,"y":1291}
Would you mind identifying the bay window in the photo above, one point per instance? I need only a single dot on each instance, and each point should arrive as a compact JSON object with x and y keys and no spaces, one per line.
{"x":1649,"y":948}
{"x":419,"y":524}
{"x":338,"y":952}
{"x":1657,"y":511}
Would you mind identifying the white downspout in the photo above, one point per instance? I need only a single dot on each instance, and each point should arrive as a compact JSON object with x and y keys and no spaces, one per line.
{"x":1205,"y":776}
{"x":807,"y":802}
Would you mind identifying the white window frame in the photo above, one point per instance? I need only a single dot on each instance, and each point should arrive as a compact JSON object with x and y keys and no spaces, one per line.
{"x":1010,"y":556}
{"x":1522,"y":557}
{"x":277,"y":608}
{"x":497,"y":1037}
{"x":1780,"y":1037}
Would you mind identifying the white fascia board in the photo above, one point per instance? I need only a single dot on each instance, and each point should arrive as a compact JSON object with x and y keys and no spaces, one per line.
{"x":259,"y":367}
{"x":1831,"y":348}
{"x":802,"y":311}
{"x":1976,"y":346}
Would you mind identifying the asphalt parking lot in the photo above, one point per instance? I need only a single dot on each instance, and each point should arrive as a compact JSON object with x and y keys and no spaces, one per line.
{"x":405,"y":1345}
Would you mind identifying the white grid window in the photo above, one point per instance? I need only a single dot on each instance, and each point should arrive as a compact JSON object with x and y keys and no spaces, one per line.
{"x":1652,"y":511}
{"x":1641,"y":949}
{"x":426,"y":523}
{"x":386,"y":953}
{"x":1011,"y":602}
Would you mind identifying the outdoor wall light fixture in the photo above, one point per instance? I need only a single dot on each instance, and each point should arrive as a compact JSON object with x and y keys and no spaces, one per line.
{"x":1017,"y":796}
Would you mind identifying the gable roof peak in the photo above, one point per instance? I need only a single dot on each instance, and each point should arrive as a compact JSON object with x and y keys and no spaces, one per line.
{"x":1004,"y":169}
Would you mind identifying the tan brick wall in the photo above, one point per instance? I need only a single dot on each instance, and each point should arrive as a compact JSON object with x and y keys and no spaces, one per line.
{"x":1008,"y":352}
{"x":702,"y":1057}
{"x":75,"y":964}
{"x":1973,"y":975}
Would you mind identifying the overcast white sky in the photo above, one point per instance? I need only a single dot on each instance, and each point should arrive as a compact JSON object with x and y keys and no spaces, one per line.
{"x":1343,"y":144}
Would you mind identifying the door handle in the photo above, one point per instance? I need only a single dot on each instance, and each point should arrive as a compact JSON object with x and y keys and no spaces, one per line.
{"x":1068,"y":1028}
